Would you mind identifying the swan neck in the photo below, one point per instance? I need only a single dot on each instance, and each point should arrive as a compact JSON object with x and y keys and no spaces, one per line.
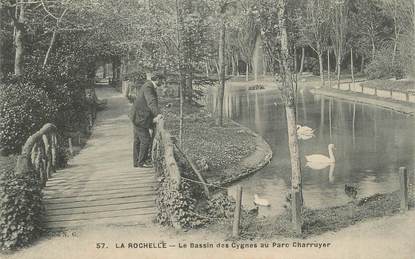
{"x":331,"y":155}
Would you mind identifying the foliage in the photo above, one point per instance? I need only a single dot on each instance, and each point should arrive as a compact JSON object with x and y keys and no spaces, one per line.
{"x":268,"y":18}
{"x":176,"y":205}
{"x":311,"y":64}
{"x":382,"y":67}
{"x":369,"y":26}
{"x":24,"y":109}
{"x":20,"y":209}
{"x":220,"y":207}
{"x":222,"y":147}
{"x":319,"y":221}
{"x":315,"y":24}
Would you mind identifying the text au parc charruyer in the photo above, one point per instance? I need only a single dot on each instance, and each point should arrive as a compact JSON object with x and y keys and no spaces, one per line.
{"x":207,"y":245}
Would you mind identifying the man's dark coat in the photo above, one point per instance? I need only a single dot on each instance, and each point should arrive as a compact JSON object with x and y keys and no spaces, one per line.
{"x":145,"y":107}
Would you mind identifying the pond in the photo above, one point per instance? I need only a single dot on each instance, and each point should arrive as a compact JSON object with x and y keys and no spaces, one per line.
{"x":371,"y":144}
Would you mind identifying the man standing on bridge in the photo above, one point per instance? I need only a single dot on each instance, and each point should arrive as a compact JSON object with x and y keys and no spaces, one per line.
{"x":144,"y":113}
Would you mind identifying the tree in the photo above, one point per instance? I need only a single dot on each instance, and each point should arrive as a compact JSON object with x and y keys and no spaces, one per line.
{"x":221,"y":9}
{"x":287,"y":90}
{"x":401,"y":13}
{"x":368,"y":26}
{"x":340,"y":29}
{"x":16,"y":11}
{"x":247,"y":32}
{"x":314,"y":28}
{"x":222,"y":61}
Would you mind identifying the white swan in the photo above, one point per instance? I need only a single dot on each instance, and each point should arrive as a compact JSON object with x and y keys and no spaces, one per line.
{"x":331,"y":173}
{"x":260,"y":201}
{"x":318,"y":161}
{"x":304,"y":132}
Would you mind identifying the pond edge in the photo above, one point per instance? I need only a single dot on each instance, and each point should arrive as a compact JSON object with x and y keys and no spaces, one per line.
{"x":355,"y":97}
{"x":249,"y":165}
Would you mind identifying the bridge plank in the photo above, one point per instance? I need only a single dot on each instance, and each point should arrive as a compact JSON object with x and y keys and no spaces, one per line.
{"x":98,"y":215}
{"x":101,"y":176}
{"x":66,"y":195}
{"x":118,"y":206}
{"x":103,"y":197}
{"x":126,"y":220}
{"x":63,"y":182}
{"x":101,"y":186}
{"x":88,"y":186}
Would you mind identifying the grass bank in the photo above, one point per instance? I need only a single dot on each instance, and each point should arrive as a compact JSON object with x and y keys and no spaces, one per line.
{"x":318,"y":221}
{"x":218,"y":151}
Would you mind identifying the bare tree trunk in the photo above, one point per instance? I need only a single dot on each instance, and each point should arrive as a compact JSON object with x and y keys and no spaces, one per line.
{"x":395,"y":48}
{"x":221,"y":71}
{"x":105,"y":72}
{"x":320,"y":61}
{"x":339,"y":39}
{"x":233,"y":66}
{"x":19,"y":26}
{"x":288,"y":95}
{"x":373,"y":48}
{"x":180,"y":67}
{"x":207,"y":69}
{"x":295,"y":59}
{"x":302,"y":60}
{"x":181,"y":115}
{"x":127,"y":65}
{"x":114,"y":71}
{"x":351,"y":64}
{"x":52,"y":40}
{"x":264,"y":66}
{"x":362,"y":64}
{"x":237,"y":66}
{"x":395,"y":43}
{"x":189,"y":83}
{"x":413,"y":44}
{"x":2,"y":49}
{"x":328,"y":67}
{"x":247,"y":72}
{"x":338,"y":71}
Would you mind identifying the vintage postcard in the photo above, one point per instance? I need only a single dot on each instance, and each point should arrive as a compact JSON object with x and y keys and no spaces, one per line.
{"x":207,"y":129}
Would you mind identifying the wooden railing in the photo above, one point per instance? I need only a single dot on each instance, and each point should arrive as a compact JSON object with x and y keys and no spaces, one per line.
{"x":164,"y":148}
{"x":181,"y":186}
{"x":39,"y":154}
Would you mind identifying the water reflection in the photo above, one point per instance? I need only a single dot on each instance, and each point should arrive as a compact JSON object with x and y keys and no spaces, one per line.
{"x":371,"y":144}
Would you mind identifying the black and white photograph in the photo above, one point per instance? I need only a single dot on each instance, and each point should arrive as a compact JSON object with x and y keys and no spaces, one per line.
{"x":251,"y":129}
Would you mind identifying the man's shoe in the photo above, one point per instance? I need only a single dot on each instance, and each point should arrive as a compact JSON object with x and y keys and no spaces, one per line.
{"x":145,"y":165}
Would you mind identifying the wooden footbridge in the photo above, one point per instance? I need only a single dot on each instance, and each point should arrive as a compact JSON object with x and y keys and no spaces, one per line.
{"x":100,"y":185}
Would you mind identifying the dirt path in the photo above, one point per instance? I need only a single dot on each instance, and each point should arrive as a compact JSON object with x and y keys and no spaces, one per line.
{"x":388,"y":238}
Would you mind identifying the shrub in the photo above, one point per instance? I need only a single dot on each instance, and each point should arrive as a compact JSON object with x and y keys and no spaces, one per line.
{"x":67,"y":94}
{"x":24,"y":109}
{"x":20,"y":209}
{"x":311,"y":64}
{"x":382,"y":67}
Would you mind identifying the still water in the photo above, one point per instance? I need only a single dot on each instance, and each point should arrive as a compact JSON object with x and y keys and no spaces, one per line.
{"x":371,"y":144}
